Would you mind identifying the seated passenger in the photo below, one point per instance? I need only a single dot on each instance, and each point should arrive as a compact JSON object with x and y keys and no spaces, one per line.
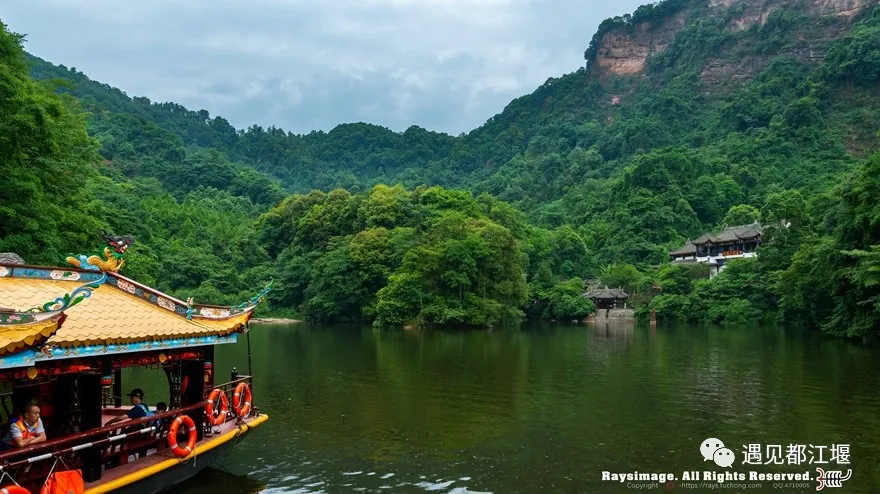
{"x":25,"y":430}
{"x":160,"y":407}
{"x":139,"y":410}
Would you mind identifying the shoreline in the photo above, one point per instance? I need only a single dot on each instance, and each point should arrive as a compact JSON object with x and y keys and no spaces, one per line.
{"x":274,"y":320}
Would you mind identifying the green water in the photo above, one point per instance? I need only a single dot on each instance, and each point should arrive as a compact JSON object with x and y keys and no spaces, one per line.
{"x":538,"y":408}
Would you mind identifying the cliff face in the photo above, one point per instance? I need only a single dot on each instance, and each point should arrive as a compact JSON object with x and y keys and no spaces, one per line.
{"x":624,"y":51}
{"x":757,"y":11}
{"x":848,"y":9}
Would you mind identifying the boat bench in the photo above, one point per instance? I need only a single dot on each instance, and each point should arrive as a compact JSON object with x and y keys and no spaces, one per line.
{"x":136,"y":446}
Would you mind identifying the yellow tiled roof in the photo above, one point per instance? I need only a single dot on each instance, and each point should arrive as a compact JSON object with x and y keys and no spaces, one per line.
{"x":15,"y":337}
{"x":110,"y":315}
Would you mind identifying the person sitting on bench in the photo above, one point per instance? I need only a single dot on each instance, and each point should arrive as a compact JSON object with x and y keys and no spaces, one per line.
{"x":26,"y":430}
{"x":139,"y":410}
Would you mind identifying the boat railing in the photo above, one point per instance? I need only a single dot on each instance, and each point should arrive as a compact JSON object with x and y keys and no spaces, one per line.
{"x":231,"y":385}
{"x":114,"y":443}
{"x":228,"y":389}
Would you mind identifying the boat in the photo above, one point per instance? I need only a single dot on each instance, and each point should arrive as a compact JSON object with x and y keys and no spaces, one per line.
{"x":66,"y":334}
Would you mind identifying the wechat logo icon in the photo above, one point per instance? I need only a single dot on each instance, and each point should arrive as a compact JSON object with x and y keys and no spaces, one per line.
{"x":713,"y":449}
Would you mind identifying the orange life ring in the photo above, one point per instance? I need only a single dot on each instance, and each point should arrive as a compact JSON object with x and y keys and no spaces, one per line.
{"x":14,"y":489}
{"x":191,"y":439}
{"x":215,"y":395}
{"x":242,"y":391}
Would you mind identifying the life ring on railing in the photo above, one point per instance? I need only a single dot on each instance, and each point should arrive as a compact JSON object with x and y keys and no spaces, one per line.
{"x":215,"y":395}
{"x":242,"y":393}
{"x":14,"y":489}
{"x":186,"y":421}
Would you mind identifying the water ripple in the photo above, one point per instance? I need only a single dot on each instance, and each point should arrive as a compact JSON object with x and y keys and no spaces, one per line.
{"x":534,"y":410}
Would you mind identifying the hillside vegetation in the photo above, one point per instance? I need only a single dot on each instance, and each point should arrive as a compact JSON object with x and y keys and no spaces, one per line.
{"x":596,"y":174}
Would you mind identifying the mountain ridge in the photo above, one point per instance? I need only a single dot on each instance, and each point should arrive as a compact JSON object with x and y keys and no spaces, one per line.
{"x":588,"y":124}
{"x":613,"y":170}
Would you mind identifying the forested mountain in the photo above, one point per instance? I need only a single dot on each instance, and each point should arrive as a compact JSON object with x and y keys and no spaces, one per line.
{"x":688,"y":115}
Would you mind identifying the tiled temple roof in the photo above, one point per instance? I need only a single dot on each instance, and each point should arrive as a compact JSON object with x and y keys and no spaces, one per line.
{"x":731,"y":234}
{"x":606,"y":293}
{"x":688,"y":248}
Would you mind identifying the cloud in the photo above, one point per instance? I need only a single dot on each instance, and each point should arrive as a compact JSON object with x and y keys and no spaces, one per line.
{"x":446,"y":65}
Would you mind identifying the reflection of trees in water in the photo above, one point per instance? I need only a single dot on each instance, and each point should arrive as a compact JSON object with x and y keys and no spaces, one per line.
{"x":213,"y":480}
{"x":442,"y":390}
{"x":444,"y":403}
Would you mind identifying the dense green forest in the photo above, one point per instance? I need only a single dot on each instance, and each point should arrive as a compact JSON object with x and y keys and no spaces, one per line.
{"x":593,"y":175}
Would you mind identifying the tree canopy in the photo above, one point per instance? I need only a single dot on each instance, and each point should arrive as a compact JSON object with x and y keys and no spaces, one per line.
{"x":591,"y":176}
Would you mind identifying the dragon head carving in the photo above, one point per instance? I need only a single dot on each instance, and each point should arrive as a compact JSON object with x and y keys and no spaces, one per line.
{"x":118,"y":243}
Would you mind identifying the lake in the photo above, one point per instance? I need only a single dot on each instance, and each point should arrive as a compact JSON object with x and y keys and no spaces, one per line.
{"x":542,"y":408}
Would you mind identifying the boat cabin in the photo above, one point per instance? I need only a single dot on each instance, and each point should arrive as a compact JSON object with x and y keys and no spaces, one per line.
{"x":66,"y":333}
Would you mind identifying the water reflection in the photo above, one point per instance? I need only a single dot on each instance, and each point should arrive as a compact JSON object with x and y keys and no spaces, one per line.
{"x":218,"y":480}
{"x":613,"y":331}
{"x":538,"y":408}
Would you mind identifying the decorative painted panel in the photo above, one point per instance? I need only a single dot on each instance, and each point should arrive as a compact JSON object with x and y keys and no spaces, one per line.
{"x":128,"y":287}
{"x":16,"y":318}
{"x":166,"y":304}
{"x":214,"y":312}
{"x":148,"y":295}
{"x":57,"y":274}
{"x":31,"y":357}
{"x":53,"y":274}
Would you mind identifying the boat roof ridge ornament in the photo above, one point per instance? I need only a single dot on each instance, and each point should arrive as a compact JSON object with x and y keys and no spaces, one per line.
{"x":113,"y":253}
{"x":256,"y":299}
{"x":206,"y":311}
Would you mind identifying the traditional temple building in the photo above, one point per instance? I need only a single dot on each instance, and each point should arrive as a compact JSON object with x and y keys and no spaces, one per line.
{"x":607,"y":298}
{"x":715,"y":249}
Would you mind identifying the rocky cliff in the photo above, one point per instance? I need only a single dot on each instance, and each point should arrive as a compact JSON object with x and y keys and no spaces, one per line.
{"x":626,"y":51}
{"x":626,"y":45}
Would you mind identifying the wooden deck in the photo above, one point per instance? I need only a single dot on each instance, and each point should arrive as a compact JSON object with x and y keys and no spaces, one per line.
{"x":163,"y":462}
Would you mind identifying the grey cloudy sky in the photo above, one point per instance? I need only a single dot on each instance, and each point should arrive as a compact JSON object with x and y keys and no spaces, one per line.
{"x":446,"y":65}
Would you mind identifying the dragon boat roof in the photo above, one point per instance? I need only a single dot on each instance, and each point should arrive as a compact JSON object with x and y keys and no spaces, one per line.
{"x":51,"y":313}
